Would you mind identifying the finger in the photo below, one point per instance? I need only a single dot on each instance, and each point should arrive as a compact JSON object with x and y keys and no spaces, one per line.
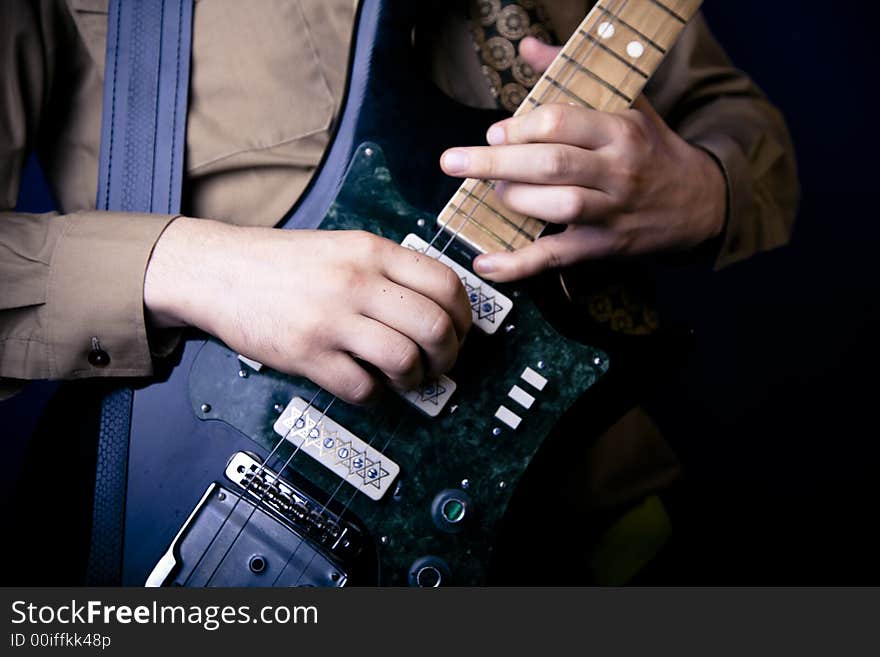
{"x":417,"y":318}
{"x":576,"y":244}
{"x":557,"y":123}
{"x":389,"y":351}
{"x":536,"y":54}
{"x":431,"y":279}
{"x":340,"y":374}
{"x":547,"y":164}
{"x":556,"y":204}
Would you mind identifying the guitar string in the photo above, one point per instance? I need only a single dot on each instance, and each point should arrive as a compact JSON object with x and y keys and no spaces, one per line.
{"x":490,"y":185}
{"x":246,"y":490}
{"x":280,"y":471}
{"x":260,"y":470}
{"x":304,"y":412}
{"x":541,"y":99}
{"x":467,"y":218}
{"x":340,"y":485}
{"x":606,"y":13}
{"x":266,"y":490}
{"x":559,"y":92}
{"x":304,"y":418}
{"x":327,"y":504}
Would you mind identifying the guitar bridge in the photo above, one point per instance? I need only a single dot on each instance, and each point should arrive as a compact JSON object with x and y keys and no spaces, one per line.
{"x":261,"y":532}
{"x":299,"y":511}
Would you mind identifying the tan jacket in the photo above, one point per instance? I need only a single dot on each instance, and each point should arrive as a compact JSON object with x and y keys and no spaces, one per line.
{"x":267,"y":78}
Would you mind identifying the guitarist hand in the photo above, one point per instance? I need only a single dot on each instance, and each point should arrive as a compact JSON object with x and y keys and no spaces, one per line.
{"x":343,"y":308}
{"x":624,"y":184}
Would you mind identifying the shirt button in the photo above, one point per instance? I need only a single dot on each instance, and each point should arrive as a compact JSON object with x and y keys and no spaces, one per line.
{"x":97,"y":356}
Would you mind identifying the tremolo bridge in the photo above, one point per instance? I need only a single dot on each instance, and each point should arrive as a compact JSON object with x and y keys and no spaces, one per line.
{"x":262,"y":531}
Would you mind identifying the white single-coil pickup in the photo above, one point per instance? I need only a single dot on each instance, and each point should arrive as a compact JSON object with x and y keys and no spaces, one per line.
{"x":489,"y":306}
{"x":337,"y":449}
{"x":432,"y":396}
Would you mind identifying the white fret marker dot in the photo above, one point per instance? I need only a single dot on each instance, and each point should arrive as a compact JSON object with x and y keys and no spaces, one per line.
{"x":606,"y":30}
{"x":635,"y":49}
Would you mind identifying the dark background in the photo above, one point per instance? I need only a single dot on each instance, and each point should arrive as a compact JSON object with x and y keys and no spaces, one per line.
{"x":774,"y":415}
{"x":773,"y":411}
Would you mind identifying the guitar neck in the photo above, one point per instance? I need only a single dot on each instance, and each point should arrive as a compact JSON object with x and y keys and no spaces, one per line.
{"x":603,"y":66}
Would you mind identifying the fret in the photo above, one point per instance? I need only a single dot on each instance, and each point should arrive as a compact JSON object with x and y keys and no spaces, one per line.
{"x":475,"y":219}
{"x":618,"y":21}
{"x":680,"y":19}
{"x":467,"y":225}
{"x":580,"y":68}
{"x":605,"y":65}
{"x":568,"y":91}
{"x":519,"y":228}
{"x":620,"y":41}
{"x":620,"y":58}
{"x":563,"y":81}
{"x":645,"y":18}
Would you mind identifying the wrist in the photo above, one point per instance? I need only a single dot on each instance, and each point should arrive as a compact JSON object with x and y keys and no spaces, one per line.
{"x":715,"y":196}
{"x":183,"y":275}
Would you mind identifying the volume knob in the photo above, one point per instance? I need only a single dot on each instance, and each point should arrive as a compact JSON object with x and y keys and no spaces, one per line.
{"x":451,"y":510}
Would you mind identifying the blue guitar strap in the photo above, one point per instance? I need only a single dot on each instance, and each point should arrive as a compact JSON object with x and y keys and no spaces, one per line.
{"x":146,"y":80}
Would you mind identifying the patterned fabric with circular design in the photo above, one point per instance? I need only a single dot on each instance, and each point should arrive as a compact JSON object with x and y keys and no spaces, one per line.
{"x":498,"y":26}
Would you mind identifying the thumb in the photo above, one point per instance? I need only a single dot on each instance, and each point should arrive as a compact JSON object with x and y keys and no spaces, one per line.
{"x":536,"y":54}
{"x":573,"y":245}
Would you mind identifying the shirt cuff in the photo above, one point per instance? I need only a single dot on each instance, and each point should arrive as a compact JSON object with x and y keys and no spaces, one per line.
{"x":736,"y":242}
{"x":96,"y":324}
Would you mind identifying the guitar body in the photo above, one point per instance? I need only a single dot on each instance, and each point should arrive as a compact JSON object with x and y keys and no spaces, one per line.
{"x":457,"y":471}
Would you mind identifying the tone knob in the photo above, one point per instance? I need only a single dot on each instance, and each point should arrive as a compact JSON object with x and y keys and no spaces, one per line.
{"x":429,"y":572}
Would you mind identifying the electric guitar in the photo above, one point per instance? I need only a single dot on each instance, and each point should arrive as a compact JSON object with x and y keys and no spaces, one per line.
{"x":242,"y":476}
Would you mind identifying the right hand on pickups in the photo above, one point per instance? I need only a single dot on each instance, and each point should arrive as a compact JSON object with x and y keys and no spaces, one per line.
{"x":319,"y":304}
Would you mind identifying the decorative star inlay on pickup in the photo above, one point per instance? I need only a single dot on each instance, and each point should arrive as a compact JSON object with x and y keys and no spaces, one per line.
{"x":337,"y":449}
{"x":371,"y":472}
{"x":483,"y":305}
{"x":489,"y":306}
{"x":344,"y":454}
{"x":323,"y":439}
{"x":431,"y":393}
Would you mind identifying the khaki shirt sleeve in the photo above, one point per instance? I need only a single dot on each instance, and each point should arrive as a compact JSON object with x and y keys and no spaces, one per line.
{"x":64,"y":278}
{"x":718,"y":108}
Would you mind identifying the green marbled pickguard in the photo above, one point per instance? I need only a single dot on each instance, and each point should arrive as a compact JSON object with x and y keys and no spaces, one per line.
{"x":433,"y":454}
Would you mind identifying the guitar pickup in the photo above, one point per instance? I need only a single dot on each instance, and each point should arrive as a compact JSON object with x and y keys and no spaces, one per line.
{"x":337,"y":449}
{"x":488,"y":305}
{"x":431,"y":397}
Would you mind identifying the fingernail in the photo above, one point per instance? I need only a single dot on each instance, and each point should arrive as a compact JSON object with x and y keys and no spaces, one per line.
{"x":495,"y":135}
{"x":455,"y":161}
{"x":485,"y":264}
